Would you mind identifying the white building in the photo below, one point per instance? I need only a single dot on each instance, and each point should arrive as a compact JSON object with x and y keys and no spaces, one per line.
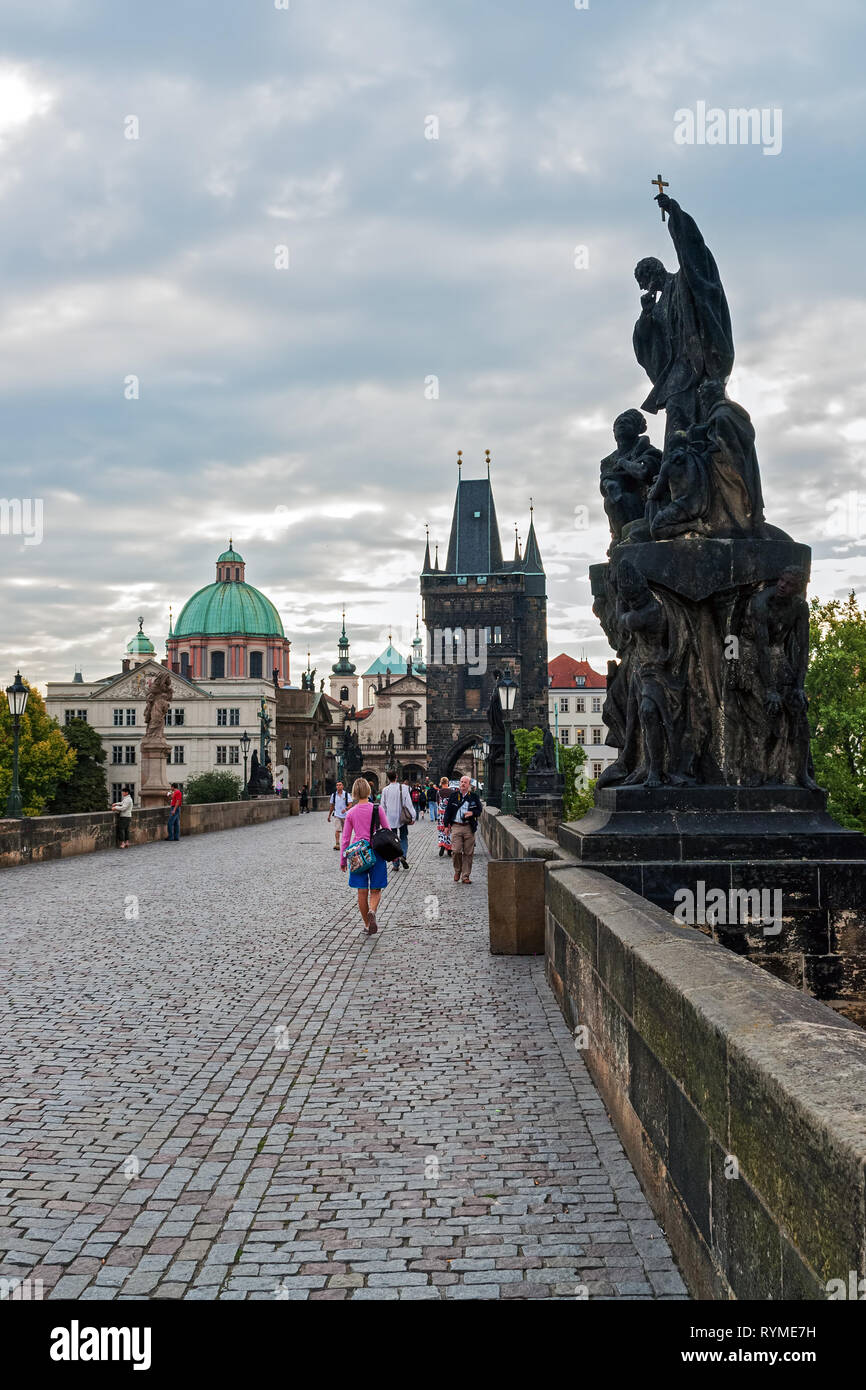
{"x":575,"y":700}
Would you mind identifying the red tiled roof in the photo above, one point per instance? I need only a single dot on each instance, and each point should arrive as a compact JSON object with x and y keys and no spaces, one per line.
{"x":563,"y":670}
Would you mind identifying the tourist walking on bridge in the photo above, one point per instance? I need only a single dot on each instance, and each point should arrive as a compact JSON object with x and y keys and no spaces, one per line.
{"x":339,"y":807}
{"x":462,"y":814}
{"x":368,"y":871}
{"x":396,"y":802}
{"x":441,"y":805}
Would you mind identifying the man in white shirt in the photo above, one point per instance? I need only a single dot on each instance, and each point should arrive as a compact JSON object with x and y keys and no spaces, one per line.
{"x":395,"y":799}
{"x":339,"y":807}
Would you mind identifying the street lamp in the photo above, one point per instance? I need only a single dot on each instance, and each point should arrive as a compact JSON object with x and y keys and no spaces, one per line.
{"x":312,"y":772}
{"x":287,"y":759}
{"x":485,"y":749}
{"x":245,"y":742}
{"x":16,"y":694}
{"x":507,"y":696}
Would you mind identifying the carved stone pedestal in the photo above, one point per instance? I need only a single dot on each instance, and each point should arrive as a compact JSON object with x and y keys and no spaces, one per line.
{"x":154,"y":778}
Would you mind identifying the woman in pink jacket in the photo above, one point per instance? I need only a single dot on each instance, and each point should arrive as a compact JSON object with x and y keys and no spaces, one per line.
{"x":357,"y":826}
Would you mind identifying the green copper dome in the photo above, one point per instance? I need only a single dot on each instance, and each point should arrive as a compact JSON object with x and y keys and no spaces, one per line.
{"x":230,"y":556}
{"x":140,"y":643}
{"x":221,"y":609}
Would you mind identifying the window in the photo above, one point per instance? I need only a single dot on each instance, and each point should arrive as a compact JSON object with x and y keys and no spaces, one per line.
{"x":461,"y":579}
{"x":222,"y":718}
{"x":117,"y":790}
{"x":129,"y":753}
{"x":344,"y":694}
{"x":177,"y":750}
{"x":564,"y":737}
{"x":184,"y":664}
{"x":234,"y":753}
{"x":596,"y":735}
{"x":222,"y":753}
{"x":118,"y":717}
{"x":563,"y":704}
{"x":130,"y":718}
{"x":596,"y":770}
{"x":596,"y":704}
{"x":580,"y":680}
{"x":580,"y":735}
{"x":68,"y":716}
{"x":174,"y":716}
{"x":482,"y":579}
{"x":117,"y":752}
{"x":237,"y":572}
{"x":497,"y":637}
{"x":234,"y":717}
{"x":255,"y":664}
{"x":580,"y":705}
{"x":217,"y":666}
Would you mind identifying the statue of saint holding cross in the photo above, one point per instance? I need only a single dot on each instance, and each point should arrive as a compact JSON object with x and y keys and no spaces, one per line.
{"x":683,"y":335}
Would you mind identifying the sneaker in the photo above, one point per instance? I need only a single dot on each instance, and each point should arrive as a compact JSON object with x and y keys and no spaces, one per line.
{"x":405,"y":863}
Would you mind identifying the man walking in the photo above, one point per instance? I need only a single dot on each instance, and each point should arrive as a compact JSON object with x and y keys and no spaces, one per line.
{"x":432,"y":801}
{"x":462,"y":814}
{"x":397,"y":805}
{"x":339,"y":807}
{"x":176,"y":801}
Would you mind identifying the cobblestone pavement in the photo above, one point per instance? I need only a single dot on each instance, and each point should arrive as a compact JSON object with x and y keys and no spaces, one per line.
{"x":221,"y":1089}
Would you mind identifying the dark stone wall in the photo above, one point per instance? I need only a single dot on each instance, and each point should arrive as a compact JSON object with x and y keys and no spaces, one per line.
{"x":56,"y":837}
{"x":457,"y":699}
{"x":738,"y":1099}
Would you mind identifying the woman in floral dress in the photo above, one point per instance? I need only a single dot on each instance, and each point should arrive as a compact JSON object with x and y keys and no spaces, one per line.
{"x":444,"y":830}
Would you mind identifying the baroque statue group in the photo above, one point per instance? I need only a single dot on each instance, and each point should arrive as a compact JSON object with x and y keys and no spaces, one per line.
{"x":702,"y":599}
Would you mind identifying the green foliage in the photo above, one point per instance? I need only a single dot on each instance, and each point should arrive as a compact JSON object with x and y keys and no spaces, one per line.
{"x":85,"y":789}
{"x":576,"y":794}
{"x":45,"y":760}
{"x":526,"y":741}
{"x":212,"y":786}
{"x":577,"y":797}
{"x":836,"y":687}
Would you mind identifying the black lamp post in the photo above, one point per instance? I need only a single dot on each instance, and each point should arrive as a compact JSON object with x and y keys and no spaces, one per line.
{"x":507,"y":697}
{"x":312,"y":772}
{"x":16,"y":694}
{"x":485,"y":749}
{"x":287,"y":759}
{"x":245,"y":742}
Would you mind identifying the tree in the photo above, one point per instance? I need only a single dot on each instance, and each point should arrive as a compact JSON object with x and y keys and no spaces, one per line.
{"x":836,"y":687}
{"x":85,"y":789}
{"x":45,"y":759}
{"x":212,"y":786}
{"x":577,"y":796}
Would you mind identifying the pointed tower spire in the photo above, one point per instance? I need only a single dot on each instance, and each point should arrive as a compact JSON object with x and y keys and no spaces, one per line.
{"x":531,"y":553}
{"x":516,"y":546}
{"x":487,"y":461}
{"x":436,"y":565}
{"x":426,"y":569}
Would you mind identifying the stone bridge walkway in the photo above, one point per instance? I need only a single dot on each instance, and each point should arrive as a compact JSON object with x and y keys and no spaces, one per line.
{"x":217,"y":1087}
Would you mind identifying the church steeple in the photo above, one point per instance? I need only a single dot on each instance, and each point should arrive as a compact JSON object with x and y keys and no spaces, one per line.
{"x":343,"y":681}
{"x":426,"y":568}
{"x":531,"y":554}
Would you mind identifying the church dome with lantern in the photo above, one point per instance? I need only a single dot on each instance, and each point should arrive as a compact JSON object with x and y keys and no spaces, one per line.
{"x":229,"y":629}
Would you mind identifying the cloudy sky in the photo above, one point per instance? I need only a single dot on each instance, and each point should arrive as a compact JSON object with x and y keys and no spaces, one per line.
{"x":288,"y":407}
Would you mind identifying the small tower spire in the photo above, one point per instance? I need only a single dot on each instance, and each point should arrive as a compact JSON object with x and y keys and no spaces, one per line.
{"x":436,"y":565}
{"x":487,"y":461}
{"x":516,"y":546}
{"x":426,"y":569}
{"x":459,"y":461}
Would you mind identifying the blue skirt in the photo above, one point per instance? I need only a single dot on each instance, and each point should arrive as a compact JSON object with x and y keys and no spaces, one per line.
{"x":377,"y":877}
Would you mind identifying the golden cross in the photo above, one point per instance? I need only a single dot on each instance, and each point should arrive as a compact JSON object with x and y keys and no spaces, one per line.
{"x":661,"y":184}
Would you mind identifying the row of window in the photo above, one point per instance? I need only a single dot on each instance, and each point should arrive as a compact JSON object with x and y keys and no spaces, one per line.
{"x":175,"y":717}
{"x":256,"y":662}
{"x":126,"y":753}
{"x":579,"y":736}
{"x":579,"y":704}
